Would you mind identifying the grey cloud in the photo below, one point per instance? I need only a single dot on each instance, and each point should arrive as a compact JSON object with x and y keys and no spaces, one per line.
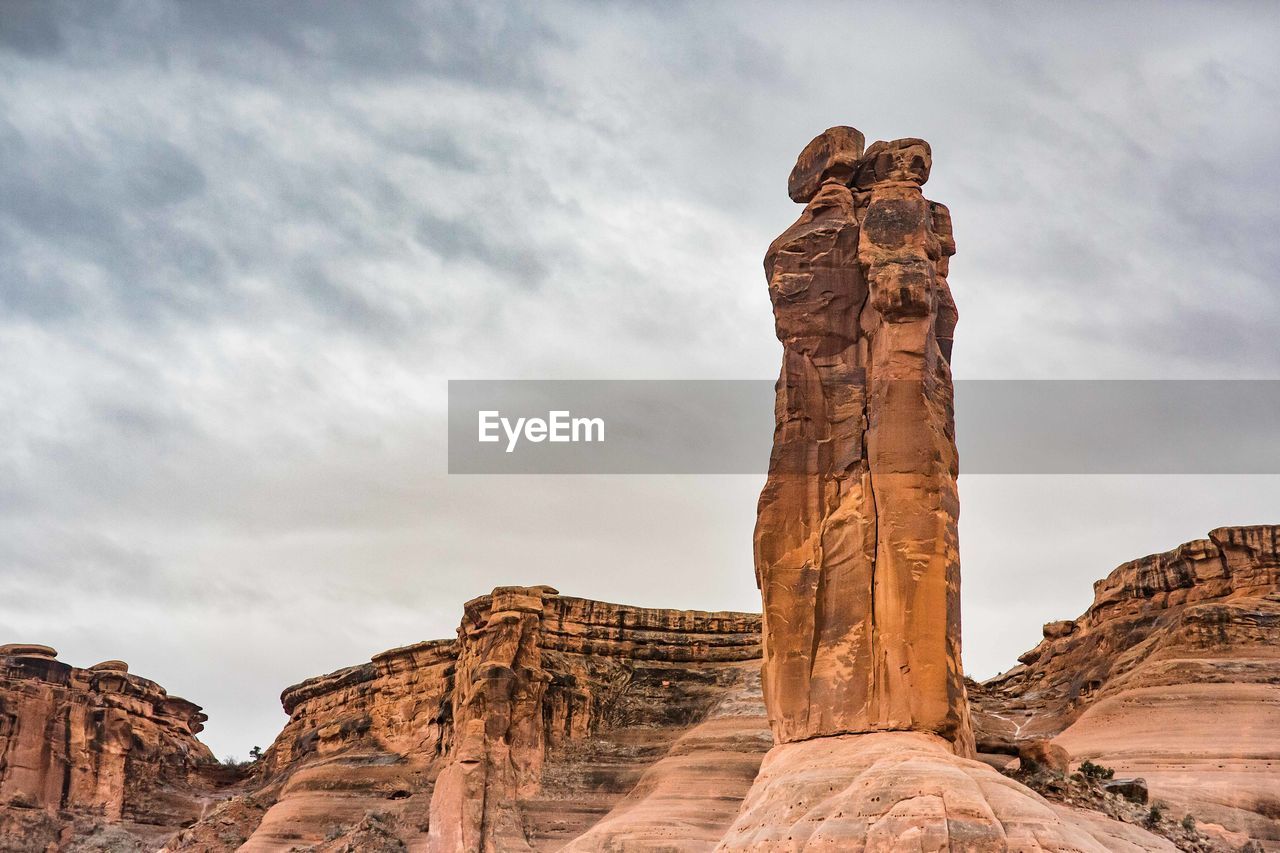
{"x":350,"y":309}
{"x":327,"y":40}
{"x":163,"y":175}
{"x":44,"y":561}
{"x":243,"y":244}
{"x":454,"y":239}
{"x":107,"y":206}
{"x":30,"y":28}
{"x":441,"y":146}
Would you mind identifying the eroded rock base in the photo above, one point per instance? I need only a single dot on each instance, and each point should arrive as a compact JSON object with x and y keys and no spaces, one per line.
{"x":907,"y":791}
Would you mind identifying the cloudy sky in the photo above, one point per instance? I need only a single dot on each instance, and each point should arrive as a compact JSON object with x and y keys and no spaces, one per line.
{"x":244,"y":245}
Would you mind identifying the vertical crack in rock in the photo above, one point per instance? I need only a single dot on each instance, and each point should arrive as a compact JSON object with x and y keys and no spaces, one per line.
{"x":856,"y":542}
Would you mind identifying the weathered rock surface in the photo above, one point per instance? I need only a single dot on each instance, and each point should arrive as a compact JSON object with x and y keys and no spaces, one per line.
{"x":899,"y":791}
{"x":1171,"y":675}
{"x":856,"y":547}
{"x":546,"y":715}
{"x":94,"y":752}
{"x":653,"y":727}
{"x":686,"y":801}
{"x":553,"y":723}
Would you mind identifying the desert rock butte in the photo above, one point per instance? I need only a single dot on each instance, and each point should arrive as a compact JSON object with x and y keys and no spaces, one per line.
{"x":838,"y":720}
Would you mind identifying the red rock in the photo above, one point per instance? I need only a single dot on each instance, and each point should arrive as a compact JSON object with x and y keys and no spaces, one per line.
{"x":94,"y":746}
{"x":1130,"y":789}
{"x":27,"y":650}
{"x":110,"y":666}
{"x":1058,"y":630}
{"x":1170,"y":676}
{"x":896,"y":791}
{"x":547,"y":717}
{"x":906,"y":161}
{"x":1044,"y":754}
{"x":856,"y":544}
{"x":686,"y":800}
{"x":832,"y":155}
{"x":857,"y":554}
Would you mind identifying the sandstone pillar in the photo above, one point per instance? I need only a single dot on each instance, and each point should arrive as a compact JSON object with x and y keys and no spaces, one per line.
{"x":856,"y":546}
{"x":498,"y":690}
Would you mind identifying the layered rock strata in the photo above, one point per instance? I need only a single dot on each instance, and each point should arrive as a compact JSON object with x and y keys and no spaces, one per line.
{"x":92,"y":747}
{"x":686,"y":800}
{"x":527,"y":677}
{"x":546,"y":714}
{"x":654,"y":727}
{"x":856,"y":546}
{"x":1172,"y":675}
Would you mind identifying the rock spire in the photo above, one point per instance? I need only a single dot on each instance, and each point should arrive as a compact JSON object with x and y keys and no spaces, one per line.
{"x":856,"y":547}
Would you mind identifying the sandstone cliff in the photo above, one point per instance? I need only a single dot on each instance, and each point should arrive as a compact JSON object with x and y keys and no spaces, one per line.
{"x":652,"y":729}
{"x":97,"y":751}
{"x":837,"y":721}
{"x":545,"y":717}
{"x":1172,"y":674}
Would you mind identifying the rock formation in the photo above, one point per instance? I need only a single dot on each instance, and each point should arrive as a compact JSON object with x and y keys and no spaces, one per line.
{"x":92,"y":747}
{"x":899,"y":791}
{"x":837,"y":721}
{"x":652,"y":729}
{"x":521,"y":684}
{"x":1170,"y":675}
{"x":857,"y":556}
{"x":546,"y":718}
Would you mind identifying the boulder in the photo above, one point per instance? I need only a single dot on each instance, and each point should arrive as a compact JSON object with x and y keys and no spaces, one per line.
{"x":833,"y":154}
{"x":1043,"y":754}
{"x":1130,"y":789}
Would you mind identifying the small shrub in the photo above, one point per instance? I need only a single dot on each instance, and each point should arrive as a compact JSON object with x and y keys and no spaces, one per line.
{"x":1155,"y":815}
{"x":255,"y":754}
{"x":1096,"y":771}
{"x":1189,"y":823}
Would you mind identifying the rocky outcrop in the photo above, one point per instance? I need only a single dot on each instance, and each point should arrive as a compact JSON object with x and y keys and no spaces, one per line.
{"x":651,"y":731}
{"x":1172,"y":675}
{"x":909,"y":791}
{"x":686,"y":800}
{"x":94,"y":751}
{"x":544,"y":716}
{"x":837,"y":721}
{"x":856,"y":547}
{"x":535,"y":670}
{"x":857,"y":554}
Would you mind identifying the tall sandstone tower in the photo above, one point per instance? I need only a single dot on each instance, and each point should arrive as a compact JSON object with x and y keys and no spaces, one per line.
{"x":856,"y":546}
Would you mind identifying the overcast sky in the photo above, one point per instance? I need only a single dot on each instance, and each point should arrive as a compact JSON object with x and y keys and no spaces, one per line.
{"x":243,"y":246}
